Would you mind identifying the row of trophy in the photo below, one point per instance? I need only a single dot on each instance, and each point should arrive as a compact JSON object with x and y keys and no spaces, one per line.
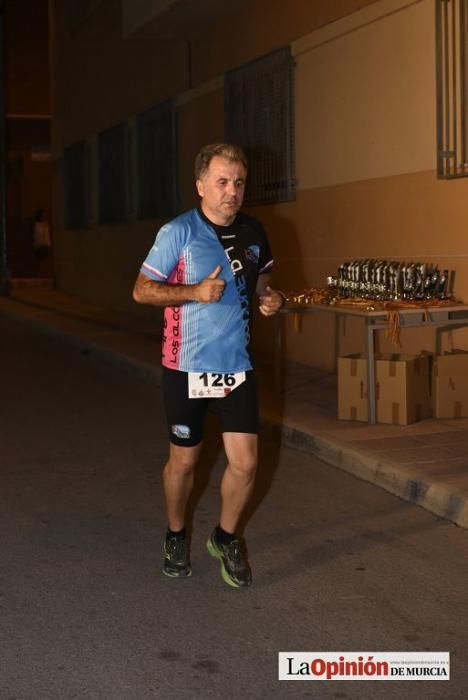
{"x":391,"y":281}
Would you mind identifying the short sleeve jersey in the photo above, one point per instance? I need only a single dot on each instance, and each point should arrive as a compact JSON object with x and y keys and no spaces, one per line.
{"x":209,"y":337}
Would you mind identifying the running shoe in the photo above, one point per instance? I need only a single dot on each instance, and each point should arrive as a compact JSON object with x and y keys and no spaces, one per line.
{"x":176,"y":558}
{"x":235,"y":568}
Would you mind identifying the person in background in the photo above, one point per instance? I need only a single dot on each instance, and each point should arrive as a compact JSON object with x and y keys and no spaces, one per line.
{"x":41,"y":239}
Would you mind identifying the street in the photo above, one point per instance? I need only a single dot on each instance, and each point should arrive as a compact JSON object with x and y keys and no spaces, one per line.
{"x":85,"y":613}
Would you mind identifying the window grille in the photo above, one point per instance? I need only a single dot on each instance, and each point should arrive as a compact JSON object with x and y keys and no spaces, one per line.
{"x":452,"y":88}
{"x":259,"y":116}
{"x":157,"y":161}
{"x":113,"y":171}
{"x":75,"y":186}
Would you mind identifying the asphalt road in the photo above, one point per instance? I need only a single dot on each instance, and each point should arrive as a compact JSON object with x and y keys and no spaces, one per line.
{"x":84,"y":611}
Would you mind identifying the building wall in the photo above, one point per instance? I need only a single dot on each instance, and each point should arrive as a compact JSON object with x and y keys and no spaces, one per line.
{"x":260,"y":26}
{"x":100,"y":79}
{"x":28,"y":189}
{"x":27,"y":85}
{"x":365,"y":144}
{"x":27,"y":97}
{"x":367,"y":181}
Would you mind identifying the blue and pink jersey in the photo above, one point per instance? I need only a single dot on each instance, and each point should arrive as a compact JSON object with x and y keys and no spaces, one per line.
{"x":209,"y":337}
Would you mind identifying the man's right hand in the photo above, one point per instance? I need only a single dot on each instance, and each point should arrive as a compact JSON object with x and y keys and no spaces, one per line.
{"x":210,"y":289}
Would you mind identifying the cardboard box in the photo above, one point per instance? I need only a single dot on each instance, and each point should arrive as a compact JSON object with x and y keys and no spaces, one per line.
{"x":402,"y":388}
{"x":450,"y":385}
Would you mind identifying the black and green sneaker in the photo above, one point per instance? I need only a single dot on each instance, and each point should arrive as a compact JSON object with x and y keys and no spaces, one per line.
{"x":176,"y":558}
{"x":235,"y":568}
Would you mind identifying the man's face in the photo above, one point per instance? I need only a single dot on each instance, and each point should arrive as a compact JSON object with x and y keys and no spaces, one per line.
{"x":221,"y":190}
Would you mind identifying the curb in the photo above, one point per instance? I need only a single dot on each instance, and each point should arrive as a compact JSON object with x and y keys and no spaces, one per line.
{"x":438,"y":498}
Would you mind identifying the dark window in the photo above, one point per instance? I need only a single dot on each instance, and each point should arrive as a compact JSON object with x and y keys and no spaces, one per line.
{"x":259,"y":116}
{"x":113,"y":171}
{"x":452,"y":88}
{"x":156,"y":161}
{"x":75,"y":185}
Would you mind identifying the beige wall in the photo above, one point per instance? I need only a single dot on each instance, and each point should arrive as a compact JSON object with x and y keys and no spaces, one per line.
{"x":137,"y":13}
{"x":366,"y":155}
{"x":100,"y":79}
{"x":365,"y":145}
{"x":408,"y":217}
{"x":259,"y":26}
{"x":365,"y":95}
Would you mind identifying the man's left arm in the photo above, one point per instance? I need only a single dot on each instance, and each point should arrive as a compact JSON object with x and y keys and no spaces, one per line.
{"x":270,"y":300}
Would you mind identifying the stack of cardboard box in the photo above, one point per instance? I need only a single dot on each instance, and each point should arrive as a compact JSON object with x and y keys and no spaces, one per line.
{"x":402,"y":388}
{"x":409,"y":388}
{"x":450,"y":384}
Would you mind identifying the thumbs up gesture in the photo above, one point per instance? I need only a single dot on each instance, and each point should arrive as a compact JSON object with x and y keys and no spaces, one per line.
{"x":271,"y":300}
{"x":211,"y":288}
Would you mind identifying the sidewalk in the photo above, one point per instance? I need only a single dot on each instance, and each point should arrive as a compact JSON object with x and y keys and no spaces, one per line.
{"x":425,"y":463}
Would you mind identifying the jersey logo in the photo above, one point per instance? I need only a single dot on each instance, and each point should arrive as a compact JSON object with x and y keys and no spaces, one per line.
{"x":252,"y":253}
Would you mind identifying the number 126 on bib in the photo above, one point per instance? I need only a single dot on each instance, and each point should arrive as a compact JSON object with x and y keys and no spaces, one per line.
{"x":213,"y":384}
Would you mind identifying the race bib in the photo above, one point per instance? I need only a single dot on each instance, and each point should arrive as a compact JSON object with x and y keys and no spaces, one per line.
{"x":212,"y":384}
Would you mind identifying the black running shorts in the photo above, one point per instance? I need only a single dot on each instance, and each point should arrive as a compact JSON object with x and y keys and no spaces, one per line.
{"x":238,"y":411}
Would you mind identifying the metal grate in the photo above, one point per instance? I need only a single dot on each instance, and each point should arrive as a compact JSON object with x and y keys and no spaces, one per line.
{"x":259,"y":116}
{"x":75,"y":186}
{"x":113,"y":171}
{"x":157,"y":161}
{"x":452,"y":88}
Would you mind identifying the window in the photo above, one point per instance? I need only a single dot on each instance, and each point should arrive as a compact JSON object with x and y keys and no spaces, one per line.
{"x":132,"y":175}
{"x":259,"y":116}
{"x":91,"y":184}
{"x":452,"y":88}
{"x":156,"y":161}
{"x":112,"y":175}
{"x":75,"y":189}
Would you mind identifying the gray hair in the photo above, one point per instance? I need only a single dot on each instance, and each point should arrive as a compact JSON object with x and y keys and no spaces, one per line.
{"x":226,"y":150}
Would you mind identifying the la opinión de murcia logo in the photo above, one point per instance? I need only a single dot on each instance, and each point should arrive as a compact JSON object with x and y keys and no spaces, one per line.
{"x":364,"y":666}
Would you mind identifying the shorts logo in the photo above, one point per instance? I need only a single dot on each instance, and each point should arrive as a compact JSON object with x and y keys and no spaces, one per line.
{"x":181,"y":431}
{"x":252,"y":253}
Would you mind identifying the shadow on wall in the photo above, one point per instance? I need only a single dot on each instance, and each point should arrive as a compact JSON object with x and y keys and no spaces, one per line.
{"x":288,"y":271}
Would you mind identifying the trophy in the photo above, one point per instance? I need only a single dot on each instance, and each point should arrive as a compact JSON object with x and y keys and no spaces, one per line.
{"x":384,"y":280}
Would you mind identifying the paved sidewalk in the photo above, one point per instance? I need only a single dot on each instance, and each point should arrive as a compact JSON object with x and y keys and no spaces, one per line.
{"x":425,"y":463}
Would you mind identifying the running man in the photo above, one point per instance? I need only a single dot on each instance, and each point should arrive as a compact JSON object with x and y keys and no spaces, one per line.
{"x":205,"y":267}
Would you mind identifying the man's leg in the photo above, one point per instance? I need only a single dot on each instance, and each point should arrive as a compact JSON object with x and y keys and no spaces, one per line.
{"x":236,"y":489}
{"x":185,"y":422}
{"x":178,"y":482}
{"x":238,"y":480}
